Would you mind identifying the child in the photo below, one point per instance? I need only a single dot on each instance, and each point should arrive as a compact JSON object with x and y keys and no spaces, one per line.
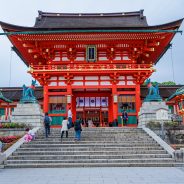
{"x":28,"y":137}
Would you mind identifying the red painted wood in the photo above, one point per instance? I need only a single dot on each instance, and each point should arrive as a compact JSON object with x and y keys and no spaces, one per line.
{"x":138,"y":100}
{"x":45,"y":102}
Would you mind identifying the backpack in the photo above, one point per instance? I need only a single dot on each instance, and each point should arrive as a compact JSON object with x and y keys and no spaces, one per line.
{"x":47,"y":120}
{"x":77,"y":126}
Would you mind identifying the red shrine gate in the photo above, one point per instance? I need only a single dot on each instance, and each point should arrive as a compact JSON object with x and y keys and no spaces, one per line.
{"x":94,"y":63}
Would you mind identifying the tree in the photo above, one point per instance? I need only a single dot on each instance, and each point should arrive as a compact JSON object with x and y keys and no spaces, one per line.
{"x":168,"y":83}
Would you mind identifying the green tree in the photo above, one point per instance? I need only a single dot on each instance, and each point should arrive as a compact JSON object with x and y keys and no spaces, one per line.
{"x":168,"y":83}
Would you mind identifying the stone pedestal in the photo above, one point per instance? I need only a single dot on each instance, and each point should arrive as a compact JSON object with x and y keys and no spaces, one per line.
{"x":30,"y":113}
{"x":148,"y":112}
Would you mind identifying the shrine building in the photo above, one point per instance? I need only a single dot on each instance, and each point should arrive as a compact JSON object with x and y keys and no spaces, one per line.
{"x":91,"y":62}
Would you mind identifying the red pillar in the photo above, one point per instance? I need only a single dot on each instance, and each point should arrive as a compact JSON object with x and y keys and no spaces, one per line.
{"x":115,"y":104}
{"x":137,"y":99}
{"x":74,"y":107}
{"x":69,"y":95}
{"x":110,"y":109}
{"x":6,"y":113}
{"x":46,"y":99}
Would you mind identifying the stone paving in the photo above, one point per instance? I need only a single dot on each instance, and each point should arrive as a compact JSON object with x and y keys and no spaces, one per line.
{"x":93,"y":176}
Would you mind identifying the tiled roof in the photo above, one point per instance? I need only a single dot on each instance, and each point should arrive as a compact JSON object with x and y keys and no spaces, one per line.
{"x":90,"y":20}
{"x":4,"y":98}
{"x":179,"y":91}
{"x":15,"y":93}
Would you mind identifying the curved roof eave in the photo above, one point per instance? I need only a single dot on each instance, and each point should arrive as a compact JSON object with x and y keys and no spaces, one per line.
{"x":15,"y":28}
{"x":179,"y":91}
{"x":5,"y":99}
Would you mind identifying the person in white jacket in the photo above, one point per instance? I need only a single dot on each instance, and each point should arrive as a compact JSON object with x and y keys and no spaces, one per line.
{"x":64,"y":127}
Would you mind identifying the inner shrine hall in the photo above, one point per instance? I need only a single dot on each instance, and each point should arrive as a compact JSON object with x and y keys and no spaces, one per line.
{"x":91,"y":62}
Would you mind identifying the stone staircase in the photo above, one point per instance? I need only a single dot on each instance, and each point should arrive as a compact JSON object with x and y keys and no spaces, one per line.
{"x":99,"y":147}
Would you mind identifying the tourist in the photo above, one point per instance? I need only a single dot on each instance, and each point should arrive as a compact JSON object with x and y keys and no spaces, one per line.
{"x":32,"y":134}
{"x":78,"y":129}
{"x":47,"y":121}
{"x":64,"y":128}
{"x":115,"y":123}
{"x":28,"y":137}
{"x":90,"y":123}
{"x":125,"y":117}
{"x":70,"y":117}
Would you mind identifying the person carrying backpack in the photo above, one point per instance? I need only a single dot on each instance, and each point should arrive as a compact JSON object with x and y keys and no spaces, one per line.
{"x":78,"y":129}
{"x":47,"y":121}
{"x":125,"y":117}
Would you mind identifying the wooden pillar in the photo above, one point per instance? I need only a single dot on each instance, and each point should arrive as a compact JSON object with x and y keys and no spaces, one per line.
{"x":138,"y":99}
{"x":69,"y":99}
{"x":114,"y":102}
{"x":176,"y":109}
{"x":46,"y":99}
{"x":74,"y":107}
{"x":110,"y":109}
{"x":6,"y":113}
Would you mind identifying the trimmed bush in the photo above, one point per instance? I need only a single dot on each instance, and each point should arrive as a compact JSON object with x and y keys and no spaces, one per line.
{"x":153,"y":124}
{"x":14,"y":125}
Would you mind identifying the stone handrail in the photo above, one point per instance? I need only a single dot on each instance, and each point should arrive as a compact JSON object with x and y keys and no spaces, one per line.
{"x":162,"y":143}
{"x":14,"y":147}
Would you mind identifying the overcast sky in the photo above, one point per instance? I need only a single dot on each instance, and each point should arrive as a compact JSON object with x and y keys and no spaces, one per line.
{"x":13,"y":72}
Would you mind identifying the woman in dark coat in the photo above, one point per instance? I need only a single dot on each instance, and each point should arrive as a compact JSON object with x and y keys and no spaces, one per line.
{"x":78,"y":129}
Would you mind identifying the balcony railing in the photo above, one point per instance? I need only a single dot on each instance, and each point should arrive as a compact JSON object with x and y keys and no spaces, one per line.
{"x":91,"y":67}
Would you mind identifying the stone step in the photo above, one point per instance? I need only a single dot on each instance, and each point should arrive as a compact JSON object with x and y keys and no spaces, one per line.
{"x":72,"y":165}
{"x":78,"y":144}
{"x":99,"y":147}
{"x":105,"y":152}
{"x":137,"y":160}
{"x":96,"y":137}
{"x":99,"y":133}
{"x":100,"y":130}
{"x":73,"y":157}
{"x":96,"y":132}
{"x":91,"y":142}
{"x":137,"y":148}
{"x":104,"y":129}
{"x":58,"y":139}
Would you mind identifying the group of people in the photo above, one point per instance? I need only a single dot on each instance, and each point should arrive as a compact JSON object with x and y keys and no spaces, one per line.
{"x":66,"y":125}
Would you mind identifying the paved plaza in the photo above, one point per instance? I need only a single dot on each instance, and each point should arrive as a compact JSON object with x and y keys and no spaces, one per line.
{"x":93,"y":176}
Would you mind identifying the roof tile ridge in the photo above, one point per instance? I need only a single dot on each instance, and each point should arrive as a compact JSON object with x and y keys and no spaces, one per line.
{"x":51,"y":14}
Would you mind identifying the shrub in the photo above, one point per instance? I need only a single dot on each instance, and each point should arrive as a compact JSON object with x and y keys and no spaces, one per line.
{"x":14,"y":125}
{"x":171,"y":124}
{"x":153,"y":124}
{"x":9,"y":139}
{"x":167,"y":124}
